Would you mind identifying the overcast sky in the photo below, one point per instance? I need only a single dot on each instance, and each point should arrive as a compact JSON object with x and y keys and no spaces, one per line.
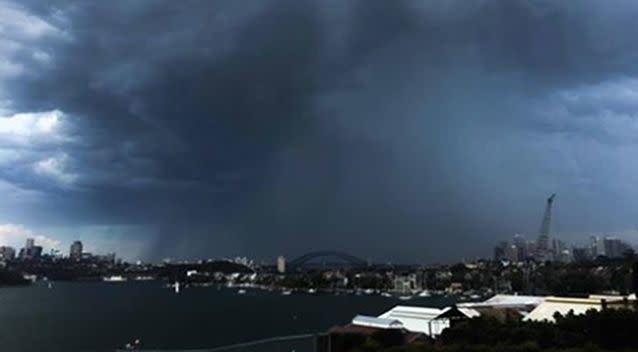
{"x":415,"y":131}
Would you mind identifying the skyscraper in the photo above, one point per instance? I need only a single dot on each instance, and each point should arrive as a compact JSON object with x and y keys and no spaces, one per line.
{"x":542,"y":245}
{"x":597,"y":246}
{"x":281,"y":264}
{"x":499,"y":250}
{"x":76,"y":250}
{"x":615,"y":247}
{"x":30,"y":250}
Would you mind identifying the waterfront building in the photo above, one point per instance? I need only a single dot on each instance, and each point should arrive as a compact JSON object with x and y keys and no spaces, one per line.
{"x":281,"y":264}
{"x":426,"y":320}
{"x":521,"y":303}
{"x":75,"y":252}
{"x":406,"y":284}
{"x":418,"y":319}
{"x":577,"y":306}
{"x":374,"y":322}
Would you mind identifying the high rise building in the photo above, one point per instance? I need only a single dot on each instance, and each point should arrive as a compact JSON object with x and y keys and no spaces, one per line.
{"x":35,"y":252}
{"x":30,"y":250}
{"x":499,"y":250}
{"x":7,"y":253}
{"x":522,"y":246}
{"x":76,"y":250}
{"x":597,"y":246}
{"x":582,"y":253}
{"x":615,"y":247}
{"x":281,"y":264}
{"x":511,"y":253}
{"x":543,"y":249}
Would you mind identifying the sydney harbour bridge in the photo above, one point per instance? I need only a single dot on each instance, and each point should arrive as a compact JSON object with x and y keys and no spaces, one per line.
{"x":326,"y":258}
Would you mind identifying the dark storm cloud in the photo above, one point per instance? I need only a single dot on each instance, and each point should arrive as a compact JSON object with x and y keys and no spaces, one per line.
{"x":395,"y":129}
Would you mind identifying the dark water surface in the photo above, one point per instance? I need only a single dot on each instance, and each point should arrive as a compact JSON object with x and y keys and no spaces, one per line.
{"x":103,"y":316}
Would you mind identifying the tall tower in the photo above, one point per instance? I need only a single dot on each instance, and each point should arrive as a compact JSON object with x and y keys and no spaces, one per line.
{"x":542,"y":245}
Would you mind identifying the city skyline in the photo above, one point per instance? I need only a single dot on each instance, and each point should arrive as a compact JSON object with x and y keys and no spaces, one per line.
{"x":390,"y":129}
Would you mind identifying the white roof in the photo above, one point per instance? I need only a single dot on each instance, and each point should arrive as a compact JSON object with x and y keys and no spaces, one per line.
{"x":546,"y":310}
{"x":418,"y":319}
{"x":504,"y":301}
{"x":613,"y":298}
{"x":374,"y":322}
{"x":421,"y":313}
{"x":468,"y":312}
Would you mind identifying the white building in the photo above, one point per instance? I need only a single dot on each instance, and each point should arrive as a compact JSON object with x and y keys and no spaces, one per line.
{"x":281,"y":264}
{"x":506,"y":301}
{"x":564,"y":305}
{"x":418,"y":319}
{"x":374,"y":322}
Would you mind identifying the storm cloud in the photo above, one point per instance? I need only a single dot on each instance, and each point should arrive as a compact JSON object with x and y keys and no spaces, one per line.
{"x":397,"y":130}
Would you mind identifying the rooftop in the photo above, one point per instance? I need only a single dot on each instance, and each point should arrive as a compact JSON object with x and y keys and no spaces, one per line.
{"x":374,"y":322}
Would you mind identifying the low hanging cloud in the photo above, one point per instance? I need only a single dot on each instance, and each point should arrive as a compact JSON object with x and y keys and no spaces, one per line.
{"x":16,"y":235}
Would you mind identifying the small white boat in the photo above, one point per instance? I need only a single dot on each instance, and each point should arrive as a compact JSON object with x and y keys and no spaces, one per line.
{"x":114,"y":278}
{"x":50,"y":285}
{"x":369,"y":291}
{"x":312,"y":290}
{"x":405,"y":298}
{"x":241,"y":292}
{"x":386,"y":294}
{"x":286,"y":292}
{"x":425,"y":293}
{"x":176,"y":286}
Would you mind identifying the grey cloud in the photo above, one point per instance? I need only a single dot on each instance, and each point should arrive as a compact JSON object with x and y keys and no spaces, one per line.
{"x":363,"y":125}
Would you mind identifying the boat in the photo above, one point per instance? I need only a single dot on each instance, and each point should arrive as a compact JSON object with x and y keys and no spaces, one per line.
{"x":176,"y":286}
{"x":386,"y":294}
{"x":405,"y":298}
{"x":114,"y":278}
{"x":286,"y":292}
{"x":241,"y":291}
{"x":369,"y":291}
{"x":425,"y":293}
{"x":312,"y":290}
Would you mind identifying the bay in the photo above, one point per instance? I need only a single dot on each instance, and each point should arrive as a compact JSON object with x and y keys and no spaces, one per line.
{"x":103,"y":316}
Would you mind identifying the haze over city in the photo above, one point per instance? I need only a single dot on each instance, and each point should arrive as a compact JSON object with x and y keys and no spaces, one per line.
{"x":398,"y":130}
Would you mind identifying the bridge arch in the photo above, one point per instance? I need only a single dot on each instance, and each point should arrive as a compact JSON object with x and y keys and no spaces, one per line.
{"x":348,"y":258}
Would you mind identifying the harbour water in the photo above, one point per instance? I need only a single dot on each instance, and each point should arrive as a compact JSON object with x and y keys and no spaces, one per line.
{"x":102,"y":316}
